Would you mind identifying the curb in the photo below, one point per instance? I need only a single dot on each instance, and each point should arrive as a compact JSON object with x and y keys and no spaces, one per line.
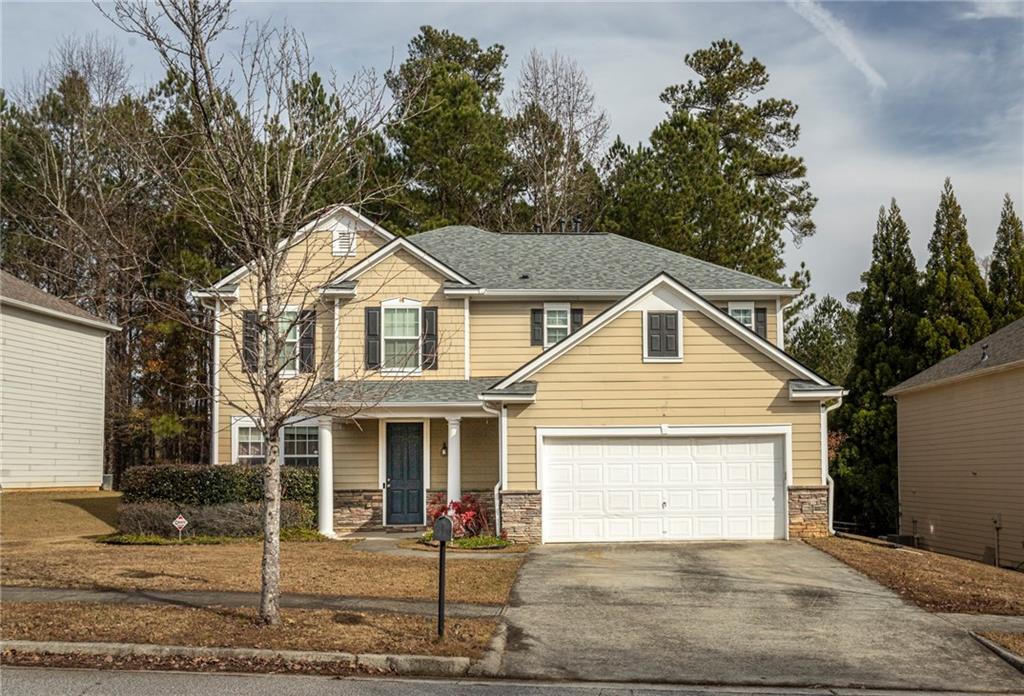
{"x":422,"y":665}
{"x":1011,"y":658}
{"x":490,"y":663}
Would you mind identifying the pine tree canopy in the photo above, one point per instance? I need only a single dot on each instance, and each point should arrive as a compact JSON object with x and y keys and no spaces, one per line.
{"x":1006,"y":275}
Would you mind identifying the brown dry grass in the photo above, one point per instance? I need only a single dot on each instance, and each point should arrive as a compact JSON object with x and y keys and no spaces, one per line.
{"x":1014,"y":642}
{"x":301,"y":629}
{"x":933,"y":581}
{"x":39,"y":515}
{"x":44,"y":545}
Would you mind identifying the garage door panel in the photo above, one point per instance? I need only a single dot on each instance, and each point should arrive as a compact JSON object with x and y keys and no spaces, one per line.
{"x":654,"y":488}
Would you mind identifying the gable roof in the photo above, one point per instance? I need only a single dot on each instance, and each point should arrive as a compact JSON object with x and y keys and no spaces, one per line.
{"x":394,"y":246}
{"x":599,"y":261}
{"x":18,"y":293}
{"x":998,"y":351}
{"x":231,"y":279}
{"x":665,"y":280}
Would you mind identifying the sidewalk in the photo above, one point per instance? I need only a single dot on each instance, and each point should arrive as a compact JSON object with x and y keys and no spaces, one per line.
{"x":234,"y":599}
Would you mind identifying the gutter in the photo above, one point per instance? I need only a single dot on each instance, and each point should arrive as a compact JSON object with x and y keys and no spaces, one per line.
{"x":824,"y":456}
{"x":502,"y":464}
{"x":46,"y":311}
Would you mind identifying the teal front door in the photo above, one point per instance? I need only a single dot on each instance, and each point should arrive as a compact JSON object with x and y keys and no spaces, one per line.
{"x":404,"y":473}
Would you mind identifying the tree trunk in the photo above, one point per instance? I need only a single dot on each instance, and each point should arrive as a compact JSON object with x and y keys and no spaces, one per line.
{"x":270,"y":587}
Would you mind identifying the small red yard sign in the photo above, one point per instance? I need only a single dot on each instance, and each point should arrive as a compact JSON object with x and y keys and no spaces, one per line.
{"x":179,"y":523}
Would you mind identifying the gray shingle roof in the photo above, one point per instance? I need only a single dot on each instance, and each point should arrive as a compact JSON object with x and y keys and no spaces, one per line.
{"x":1003,"y":347}
{"x":571,"y":261}
{"x":413,"y":391}
{"x":18,"y":290}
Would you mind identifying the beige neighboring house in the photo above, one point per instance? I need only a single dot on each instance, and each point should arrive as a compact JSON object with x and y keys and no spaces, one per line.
{"x":961,"y":451}
{"x":587,"y":387}
{"x":52,"y":377}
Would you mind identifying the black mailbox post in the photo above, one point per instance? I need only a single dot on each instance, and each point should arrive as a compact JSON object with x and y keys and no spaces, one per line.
{"x":442,"y":535}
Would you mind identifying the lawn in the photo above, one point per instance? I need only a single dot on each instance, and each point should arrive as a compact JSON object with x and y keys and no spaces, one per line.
{"x":1014,"y":642}
{"x":44,"y":546}
{"x":933,"y":581}
{"x":300,"y":629}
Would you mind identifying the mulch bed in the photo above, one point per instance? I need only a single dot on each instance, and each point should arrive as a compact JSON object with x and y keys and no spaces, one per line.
{"x":933,"y":581}
{"x":237,"y":627}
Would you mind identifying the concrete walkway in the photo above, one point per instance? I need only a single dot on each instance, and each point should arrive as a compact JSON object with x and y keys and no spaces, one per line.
{"x":755,"y":613}
{"x":235,"y":599}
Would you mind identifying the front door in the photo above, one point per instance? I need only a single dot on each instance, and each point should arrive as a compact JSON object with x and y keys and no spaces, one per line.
{"x":404,"y":473}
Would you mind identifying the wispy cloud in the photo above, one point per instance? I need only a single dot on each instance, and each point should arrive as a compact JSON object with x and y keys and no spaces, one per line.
{"x":839,"y":36}
{"x":993,"y":10}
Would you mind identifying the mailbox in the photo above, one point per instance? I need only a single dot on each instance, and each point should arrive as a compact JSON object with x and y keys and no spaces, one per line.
{"x":443,"y":528}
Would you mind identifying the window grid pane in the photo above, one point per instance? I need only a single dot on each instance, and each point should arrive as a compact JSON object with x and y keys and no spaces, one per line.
{"x":401,"y":353}
{"x":301,"y":446}
{"x":744,"y":316}
{"x":401,"y":322}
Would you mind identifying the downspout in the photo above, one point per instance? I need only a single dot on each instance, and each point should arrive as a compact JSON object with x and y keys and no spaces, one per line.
{"x":828,"y":477}
{"x":499,"y":486}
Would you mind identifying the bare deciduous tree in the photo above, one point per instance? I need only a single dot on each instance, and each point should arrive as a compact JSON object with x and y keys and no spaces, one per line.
{"x":558,"y":135}
{"x":266,"y":131}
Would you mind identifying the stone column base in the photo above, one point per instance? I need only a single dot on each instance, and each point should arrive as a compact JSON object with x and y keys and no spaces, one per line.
{"x":358,"y":510}
{"x":808,"y":512}
{"x":520,"y":516}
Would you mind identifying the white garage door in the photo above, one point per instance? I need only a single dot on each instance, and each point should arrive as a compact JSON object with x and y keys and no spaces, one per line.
{"x":662,"y":488}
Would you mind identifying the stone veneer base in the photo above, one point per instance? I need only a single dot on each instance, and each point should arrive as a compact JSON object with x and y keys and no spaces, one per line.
{"x":808,"y":512}
{"x":520,"y":516}
{"x":358,"y":510}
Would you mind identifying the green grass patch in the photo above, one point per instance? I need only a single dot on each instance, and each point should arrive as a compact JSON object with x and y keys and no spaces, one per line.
{"x":482,"y":542}
{"x":299,"y":534}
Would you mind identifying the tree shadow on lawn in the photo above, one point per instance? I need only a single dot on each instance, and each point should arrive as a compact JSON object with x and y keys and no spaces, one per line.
{"x":102,"y":508}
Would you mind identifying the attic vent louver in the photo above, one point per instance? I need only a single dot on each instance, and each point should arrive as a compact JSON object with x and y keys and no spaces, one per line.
{"x":984,"y":352}
{"x":576,"y":224}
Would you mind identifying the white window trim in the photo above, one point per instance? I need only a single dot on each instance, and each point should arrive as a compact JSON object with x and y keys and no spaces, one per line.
{"x":670,"y":359}
{"x":742,"y":306}
{"x":294,"y":371}
{"x":347,"y":226}
{"x":382,"y":462}
{"x":247,"y":422}
{"x":401,"y":303}
{"x":556,"y":307}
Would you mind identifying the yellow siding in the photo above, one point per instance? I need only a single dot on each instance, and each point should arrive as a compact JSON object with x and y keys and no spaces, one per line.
{"x":721,"y":381}
{"x":961,"y":461}
{"x":356,"y":460}
{"x":500,"y":334}
{"x":479,"y":438}
{"x":403,"y":276}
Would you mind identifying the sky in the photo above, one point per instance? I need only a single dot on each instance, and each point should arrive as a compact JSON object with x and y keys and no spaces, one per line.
{"x":893,"y":97}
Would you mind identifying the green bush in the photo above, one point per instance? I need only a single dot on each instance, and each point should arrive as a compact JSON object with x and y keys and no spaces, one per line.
{"x":190,"y":484}
{"x":223,"y":520}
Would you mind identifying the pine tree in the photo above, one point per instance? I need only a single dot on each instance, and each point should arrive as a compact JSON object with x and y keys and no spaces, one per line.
{"x":889,"y":311}
{"x":955,"y":294}
{"x":826,"y":340}
{"x":1006,"y":274}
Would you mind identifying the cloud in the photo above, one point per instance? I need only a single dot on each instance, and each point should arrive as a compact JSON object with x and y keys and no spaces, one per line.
{"x":839,"y":36}
{"x":993,"y":10}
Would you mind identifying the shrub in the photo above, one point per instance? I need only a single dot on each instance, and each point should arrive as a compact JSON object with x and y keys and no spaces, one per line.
{"x":195,"y":485}
{"x":468,"y":515}
{"x":224,"y":520}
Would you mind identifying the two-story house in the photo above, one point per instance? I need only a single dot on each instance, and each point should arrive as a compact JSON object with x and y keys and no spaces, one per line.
{"x":588,"y":387}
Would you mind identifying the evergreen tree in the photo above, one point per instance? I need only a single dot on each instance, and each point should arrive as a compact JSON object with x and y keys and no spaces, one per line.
{"x":1006,"y":274}
{"x":889,"y":311}
{"x":826,"y":340}
{"x":453,"y":149}
{"x":956,"y":297}
{"x":717,"y":177}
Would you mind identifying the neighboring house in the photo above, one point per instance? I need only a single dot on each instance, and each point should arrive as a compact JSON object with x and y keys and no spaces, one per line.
{"x":960,"y":425}
{"x":596,"y":387}
{"x":52,"y":376}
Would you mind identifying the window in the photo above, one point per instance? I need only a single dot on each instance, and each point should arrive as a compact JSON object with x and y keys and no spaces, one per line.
{"x":301,"y":445}
{"x":556,"y":323}
{"x":288,"y":325}
{"x":743,"y":312}
{"x":401,"y":336}
{"x":250,"y":446}
{"x":662,"y":336}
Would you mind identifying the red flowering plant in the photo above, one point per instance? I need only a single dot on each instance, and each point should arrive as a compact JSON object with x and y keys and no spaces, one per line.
{"x":468,"y":515}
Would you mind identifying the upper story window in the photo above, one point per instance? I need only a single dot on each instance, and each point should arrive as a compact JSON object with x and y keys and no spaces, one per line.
{"x":556,"y":323}
{"x":663,"y":336}
{"x":288,"y":325}
{"x":743,"y":312}
{"x":297,"y":329}
{"x":401,"y":338}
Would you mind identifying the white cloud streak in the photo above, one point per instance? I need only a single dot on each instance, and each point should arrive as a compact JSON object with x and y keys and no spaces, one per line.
{"x":994,"y":10}
{"x":839,"y":36}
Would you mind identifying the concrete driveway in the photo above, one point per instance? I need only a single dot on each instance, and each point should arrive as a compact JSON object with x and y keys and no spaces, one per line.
{"x":771,"y":613}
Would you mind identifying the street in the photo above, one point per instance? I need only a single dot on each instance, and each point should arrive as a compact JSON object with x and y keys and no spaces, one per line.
{"x":33,"y":681}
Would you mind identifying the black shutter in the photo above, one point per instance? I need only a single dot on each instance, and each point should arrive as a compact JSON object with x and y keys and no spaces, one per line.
{"x":654,"y":346}
{"x":670,"y":328}
{"x":430,"y":338}
{"x":372,"y":335}
{"x":575,"y":319}
{"x":250,"y":341}
{"x":307,"y":340}
{"x":761,"y":322}
{"x":662,"y":335}
{"x":536,"y":327}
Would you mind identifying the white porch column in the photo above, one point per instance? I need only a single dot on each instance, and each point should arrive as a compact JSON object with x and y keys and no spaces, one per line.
{"x":325,"y":487}
{"x":454,"y":458}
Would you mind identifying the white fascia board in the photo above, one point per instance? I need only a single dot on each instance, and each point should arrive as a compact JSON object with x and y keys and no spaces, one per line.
{"x":46,"y":311}
{"x":391,"y":248}
{"x":699,"y":302}
{"x":508,"y":398}
{"x":338,"y":292}
{"x":816,"y":394}
{"x":305,"y":230}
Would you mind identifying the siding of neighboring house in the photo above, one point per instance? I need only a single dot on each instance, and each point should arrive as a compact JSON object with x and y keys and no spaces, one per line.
{"x":51,"y":401}
{"x":499,"y":334}
{"x":604,"y":382}
{"x":961,"y":461}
